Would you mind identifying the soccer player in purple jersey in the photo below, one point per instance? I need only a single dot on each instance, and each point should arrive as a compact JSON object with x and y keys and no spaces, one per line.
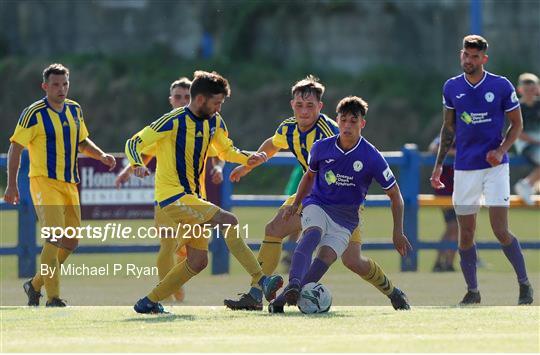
{"x":341,"y":169}
{"x":475,"y":105}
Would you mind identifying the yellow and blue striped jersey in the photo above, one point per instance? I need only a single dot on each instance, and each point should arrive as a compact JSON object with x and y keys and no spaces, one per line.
{"x":288,"y":136}
{"x":152,"y":149}
{"x":52,"y":139}
{"x":182,"y":142}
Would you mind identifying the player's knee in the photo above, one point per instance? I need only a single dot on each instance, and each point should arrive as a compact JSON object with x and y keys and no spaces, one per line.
{"x":350,"y":262}
{"x":272,"y":229}
{"x":199,"y":263}
{"x":224,"y":218}
{"x":327,"y":255}
{"x":356,"y":263}
{"x":466,"y":234}
{"x":503,"y":235}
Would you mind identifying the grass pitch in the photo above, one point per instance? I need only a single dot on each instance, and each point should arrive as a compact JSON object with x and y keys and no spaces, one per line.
{"x":214,"y":329}
{"x":361,"y":320}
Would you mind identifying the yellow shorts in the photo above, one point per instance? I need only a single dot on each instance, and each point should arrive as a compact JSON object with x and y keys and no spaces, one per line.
{"x":188,"y":210}
{"x":356,"y":236}
{"x":57,"y":205}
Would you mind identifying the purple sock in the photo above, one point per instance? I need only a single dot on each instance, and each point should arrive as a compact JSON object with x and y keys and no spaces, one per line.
{"x":468,"y":267}
{"x":315,"y":272}
{"x":302,"y":254}
{"x":515,"y":256}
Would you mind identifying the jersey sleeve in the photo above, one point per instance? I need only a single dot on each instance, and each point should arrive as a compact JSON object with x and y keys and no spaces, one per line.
{"x":150,"y":150}
{"x":224,"y":147}
{"x":447,"y":97}
{"x":26,"y":129}
{"x":145,"y":138}
{"x":280,"y":136}
{"x":313,"y":158}
{"x":211,"y":153}
{"x":382,"y":172}
{"x":83,"y":131}
{"x":510,"y":100}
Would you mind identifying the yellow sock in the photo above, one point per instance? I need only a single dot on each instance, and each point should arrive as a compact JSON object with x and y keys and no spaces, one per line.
{"x":377,"y":278}
{"x":63,"y":255}
{"x":165,"y":257}
{"x":241,"y":252}
{"x":179,"y":275}
{"x":269,"y":254}
{"x":51,"y":281}
{"x":37,"y":280}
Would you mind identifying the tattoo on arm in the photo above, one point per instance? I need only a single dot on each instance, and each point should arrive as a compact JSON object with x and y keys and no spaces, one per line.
{"x":448,"y":133}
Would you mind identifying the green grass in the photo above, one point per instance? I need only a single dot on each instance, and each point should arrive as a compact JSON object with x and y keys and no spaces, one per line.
{"x":214,"y":329}
{"x":360,"y":319}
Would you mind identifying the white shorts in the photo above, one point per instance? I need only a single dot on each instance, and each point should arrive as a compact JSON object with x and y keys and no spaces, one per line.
{"x":472,"y":188}
{"x":333,"y":235}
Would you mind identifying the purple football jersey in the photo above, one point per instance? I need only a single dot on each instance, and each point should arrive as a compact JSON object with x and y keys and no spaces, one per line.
{"x":343,"y":178}
{"x":480,"y":114}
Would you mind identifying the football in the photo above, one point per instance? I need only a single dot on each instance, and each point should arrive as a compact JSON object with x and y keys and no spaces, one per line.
{"x":314,"y":298}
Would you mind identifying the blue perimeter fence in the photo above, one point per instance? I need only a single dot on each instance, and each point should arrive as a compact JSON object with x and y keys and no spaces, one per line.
{"x":409,"y":161}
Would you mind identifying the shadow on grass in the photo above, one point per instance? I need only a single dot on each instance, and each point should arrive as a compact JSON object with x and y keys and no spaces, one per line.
{"x":162,"y":318}
{"x":294,"y":314}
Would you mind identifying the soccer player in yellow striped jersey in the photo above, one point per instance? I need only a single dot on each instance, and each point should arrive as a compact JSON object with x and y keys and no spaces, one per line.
{"x":298,"y":134}
{"x":182,"y":139}
{"x":54,"y":131}
{"x":178,"y":97}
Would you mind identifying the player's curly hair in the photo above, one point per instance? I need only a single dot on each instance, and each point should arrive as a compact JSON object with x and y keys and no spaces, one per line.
{"x":183,"y":82}
{"x":307,"y":86}
{"x":475,"y":42}
{"x":209,"y":84}
{"x":56,"y":69}
{"x":354,"y":105}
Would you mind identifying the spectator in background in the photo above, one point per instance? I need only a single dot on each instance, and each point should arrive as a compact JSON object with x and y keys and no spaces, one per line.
{"x":528,"y":143}
{"x":445,"y":258}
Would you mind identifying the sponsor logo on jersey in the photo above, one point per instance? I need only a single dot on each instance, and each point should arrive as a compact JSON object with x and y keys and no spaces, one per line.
{"x":387,"y":173}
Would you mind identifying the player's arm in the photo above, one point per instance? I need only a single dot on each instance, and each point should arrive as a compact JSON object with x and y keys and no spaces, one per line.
{"x":124,"y":175}
{"x":217,"y":170}
{"x":447,"y":136}
{"x":228,"y":152}
{"x":143,"y":139}
{"x":90,"y":149}
{"x":495,"y":156}
{"x":401,"y":242}
{"x":304,"y":188}
{"x":11,"y":195}
{"x":267,"y":147}
{"x":25,"y":132}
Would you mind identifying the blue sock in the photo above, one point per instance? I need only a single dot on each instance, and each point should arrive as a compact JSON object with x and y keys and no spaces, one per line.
{"x":468,"y":267}
{"x":302,"y":254}
{"x":256,"y":293}
{"x":315,"y":272}
{"x":515,"y":256}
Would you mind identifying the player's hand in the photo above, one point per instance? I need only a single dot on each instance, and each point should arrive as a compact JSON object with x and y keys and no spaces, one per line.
{"x":238,"y":173}
{"x":141,"y":171}
{"x":494,"y":157}
{"x":435,"y":178}
{"x":289,"y":211}
{"x":401,"y":243}
{"x":122,"y":178}
{"x":217,"y":174}
{"x":11,"y":195}
{"x":108,"y":160}
{"x":257,"y":159}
